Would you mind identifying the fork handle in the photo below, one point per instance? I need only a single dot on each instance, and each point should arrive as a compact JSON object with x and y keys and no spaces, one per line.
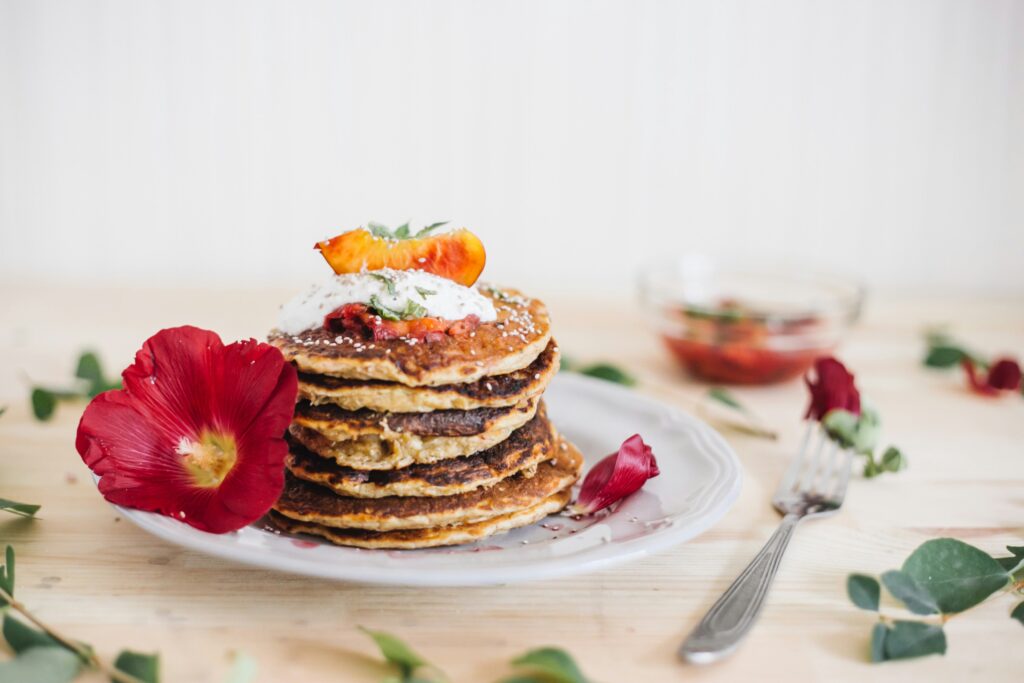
{"x":729,"y":619}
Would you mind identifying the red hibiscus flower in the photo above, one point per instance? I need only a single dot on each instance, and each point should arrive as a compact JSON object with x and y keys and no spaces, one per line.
{"x":197,"y":432}
{"x":616,"y":476}
{"x":832,"y":388}
{"x":1004,"y":375}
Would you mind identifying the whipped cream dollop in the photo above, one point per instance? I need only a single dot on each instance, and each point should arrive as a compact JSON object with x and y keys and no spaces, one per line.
{"x":394,"y":289}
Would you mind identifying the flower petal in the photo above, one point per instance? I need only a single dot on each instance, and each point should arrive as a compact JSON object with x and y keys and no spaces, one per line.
{"x":977,"y":383}
{"x":616,"y":476}
{"x":184,"y":386}
{"x":833,"y":388}
{"x":1004,"y":375}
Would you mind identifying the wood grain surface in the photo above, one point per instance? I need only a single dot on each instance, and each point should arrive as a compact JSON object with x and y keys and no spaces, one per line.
{"x":99,"y":578}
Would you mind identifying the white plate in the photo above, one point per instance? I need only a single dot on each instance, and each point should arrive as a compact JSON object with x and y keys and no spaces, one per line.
{"x":700,"y":479}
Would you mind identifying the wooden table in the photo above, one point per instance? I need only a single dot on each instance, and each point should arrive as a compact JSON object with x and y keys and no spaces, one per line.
{"x":101,"y":579}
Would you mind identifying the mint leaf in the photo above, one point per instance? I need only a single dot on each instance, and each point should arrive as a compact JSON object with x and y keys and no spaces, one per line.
{"x":430,"y":228}
{"x":140,"y":665}
{"x":908,"y":639}
{"x":957,"y":575}
{"x":23,"y":509}
{"x":413,"y":311}
{"x":379,"y":230}
{"x":904,"y":588}
{"x":425,"y":292}
{"x":864,"y":591}
{"x":396,"y":652}
{"x":1018,"y":613}
{"x":382,"y":310}
{"x":389,"y":283}
{"x":878,"y":634}
{"x":402,"y":231}
{"x":44,"y":402}
{"x":554,"y":665}
{"x":944,"y":356}
{"x":41,"y":665}
{"x":608,"y":373}
{"x":7,"y":576}
{"x":722,"y":396}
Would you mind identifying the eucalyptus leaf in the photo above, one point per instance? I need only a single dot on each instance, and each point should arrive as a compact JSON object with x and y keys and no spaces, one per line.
{"x":893,"y":460}
{"x":957,"y":575}
{"x":20,"y":636}
{"x":556,"y":665}
{"x":1018,"y":613}
{"x":44,"y":403}
{"x":396,"y":652}
{"x":23,"y":509}
{"x":908,"y":639}
{"x":609,"y":373}
{"x":41,"y":665}
{"x":91,"y":371}
{"x":878,"y":634}
{"x":864,"y":591}
{"x":144,"y":667}
{"x":944,"y":356}
{"x":7,"y":575}
{"x":904,"y":588}
{"x":723,"y":396}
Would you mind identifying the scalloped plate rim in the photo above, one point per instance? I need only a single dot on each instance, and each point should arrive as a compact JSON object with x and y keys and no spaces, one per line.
{"x":236,"y":547}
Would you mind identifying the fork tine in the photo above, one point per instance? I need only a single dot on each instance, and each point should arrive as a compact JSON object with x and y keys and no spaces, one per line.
{"x":790,"y":477}
{"x":844,"y":475}
{"x":824,"y":483}
{"x":806,"y":483}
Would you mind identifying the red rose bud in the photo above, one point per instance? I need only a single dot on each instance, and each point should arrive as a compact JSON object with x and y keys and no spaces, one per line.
{"x":1004,"y":375}
{"x":832,"y":388}
{"x":616,"y":476}
{"x":197,"y":432}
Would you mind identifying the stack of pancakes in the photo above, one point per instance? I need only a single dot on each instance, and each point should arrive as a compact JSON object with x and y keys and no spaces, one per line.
{"x":405,"y":443}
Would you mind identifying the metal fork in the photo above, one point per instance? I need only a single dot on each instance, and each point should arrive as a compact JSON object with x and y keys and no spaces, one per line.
{"x":813,"y":486}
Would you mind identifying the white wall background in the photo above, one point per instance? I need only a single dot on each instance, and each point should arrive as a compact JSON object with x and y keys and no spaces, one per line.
{"x":213,"y":142}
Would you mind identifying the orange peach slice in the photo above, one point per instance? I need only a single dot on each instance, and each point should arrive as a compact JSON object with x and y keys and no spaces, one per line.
{"x":458,"y":255}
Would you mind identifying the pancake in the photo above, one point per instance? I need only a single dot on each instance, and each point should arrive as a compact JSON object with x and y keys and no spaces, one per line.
{"x":307,"y":502}
{"x":489,"y":392}
{"x":409,"y":539}
{"x":513,"y":341}
{"x":341,"y":425}
{"x":526,"y":448}
{"x":390,"y":450}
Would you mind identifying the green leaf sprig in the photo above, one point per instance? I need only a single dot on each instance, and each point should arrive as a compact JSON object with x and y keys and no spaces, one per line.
{"x":861,"y":433}
{"x":541,"y":665}
{"x":43,"y":654}
{"x":412,"y":310}
{"x":15,"y":508}
{"x":90,"y":382}
{"x":606,"y":371}
{"x":941,"y":578}
{"x":402,"y":232}
{"x":945,"y":352}
{"x":747,"y":422}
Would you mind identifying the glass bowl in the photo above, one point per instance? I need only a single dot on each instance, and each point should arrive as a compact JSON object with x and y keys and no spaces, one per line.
{"x":740,"y":325}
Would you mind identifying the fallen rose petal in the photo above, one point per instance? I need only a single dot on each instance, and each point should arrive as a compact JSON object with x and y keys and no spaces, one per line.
{"x":616,"y":476}
{"x":197,"y":432}
{"x":1004,"y":375}
{"x":833,"y":388}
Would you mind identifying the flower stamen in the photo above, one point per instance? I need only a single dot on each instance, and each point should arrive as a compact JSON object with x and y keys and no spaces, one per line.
{"x":210,"y":458}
